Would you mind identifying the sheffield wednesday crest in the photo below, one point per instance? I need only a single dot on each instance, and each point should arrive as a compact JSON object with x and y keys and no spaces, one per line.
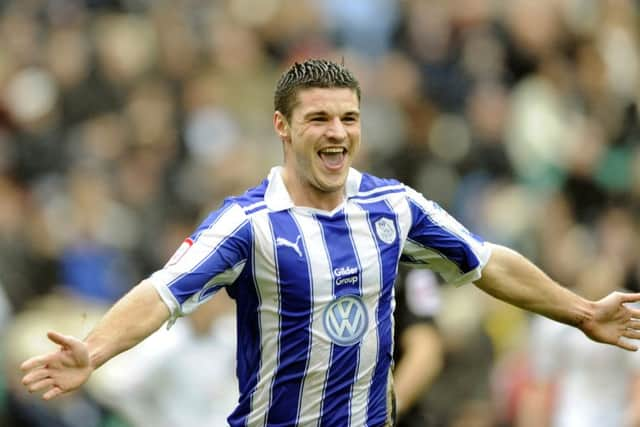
{"x":386,"y":230}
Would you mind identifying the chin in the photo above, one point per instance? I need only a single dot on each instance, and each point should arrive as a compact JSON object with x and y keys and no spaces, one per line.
{"x":332,"y":186}
{"x":329,"y":183}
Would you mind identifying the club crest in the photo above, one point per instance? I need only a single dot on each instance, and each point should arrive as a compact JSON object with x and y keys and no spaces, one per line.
{"x":386,"y":230}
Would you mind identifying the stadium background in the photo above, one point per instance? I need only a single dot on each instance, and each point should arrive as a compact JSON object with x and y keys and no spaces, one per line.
{"x":122,"y":122}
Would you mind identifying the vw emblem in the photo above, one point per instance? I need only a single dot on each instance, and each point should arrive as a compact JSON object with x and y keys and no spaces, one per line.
{"x":345,"y":320}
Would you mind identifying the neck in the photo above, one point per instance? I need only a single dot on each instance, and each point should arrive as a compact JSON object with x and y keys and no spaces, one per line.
{"x":305,"y":194}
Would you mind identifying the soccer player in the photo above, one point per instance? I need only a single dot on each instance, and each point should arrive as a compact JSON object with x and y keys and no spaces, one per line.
{"x":310,"y":257}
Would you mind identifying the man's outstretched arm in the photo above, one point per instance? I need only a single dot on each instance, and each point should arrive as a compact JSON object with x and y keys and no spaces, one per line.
{"x":510,"y":277}
{"x":133,"y":318}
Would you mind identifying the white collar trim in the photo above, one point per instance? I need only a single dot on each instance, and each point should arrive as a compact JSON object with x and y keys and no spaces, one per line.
{"x":277,"y":197}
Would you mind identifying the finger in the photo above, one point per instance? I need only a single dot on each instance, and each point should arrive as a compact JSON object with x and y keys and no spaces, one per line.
{"x":53,"y":393}
{"x":630,"y":297}
{"x":631,"y":333}
{"x":72,"y":343}
{"x":37,"y":361}
{"x":635,"y":313}
{"x":34,"y":376}
{"x":633,"y":324}
{"x":626,"y":345}
{"x":63,"y":340}
{"x":41,"y":385}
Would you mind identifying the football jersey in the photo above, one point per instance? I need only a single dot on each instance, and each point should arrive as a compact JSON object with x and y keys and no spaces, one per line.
{"x":314,"y":293}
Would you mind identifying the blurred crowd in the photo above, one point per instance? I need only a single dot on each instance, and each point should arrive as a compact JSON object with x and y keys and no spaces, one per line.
{"x":122,"y":122}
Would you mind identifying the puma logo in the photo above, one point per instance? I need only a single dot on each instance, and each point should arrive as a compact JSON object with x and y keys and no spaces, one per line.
{"x":281,"y":241}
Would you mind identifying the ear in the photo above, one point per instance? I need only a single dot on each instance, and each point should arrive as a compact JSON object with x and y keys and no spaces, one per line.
{"x":281,"y":126}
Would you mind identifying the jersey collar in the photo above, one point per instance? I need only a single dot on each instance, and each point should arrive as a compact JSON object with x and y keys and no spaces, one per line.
{"x":277,"y":197}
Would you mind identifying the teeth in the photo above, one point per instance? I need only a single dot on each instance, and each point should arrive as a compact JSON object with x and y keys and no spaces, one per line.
{"x":332,"y":150}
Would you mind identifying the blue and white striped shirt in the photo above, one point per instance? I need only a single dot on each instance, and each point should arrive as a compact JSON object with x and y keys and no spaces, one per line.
{"x":314,"y":293}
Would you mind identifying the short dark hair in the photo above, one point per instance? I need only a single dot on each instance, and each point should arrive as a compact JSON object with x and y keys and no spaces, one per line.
{"x":309,"y":74}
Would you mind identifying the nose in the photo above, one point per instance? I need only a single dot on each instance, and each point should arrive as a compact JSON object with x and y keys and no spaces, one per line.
{"x":336,"y":130}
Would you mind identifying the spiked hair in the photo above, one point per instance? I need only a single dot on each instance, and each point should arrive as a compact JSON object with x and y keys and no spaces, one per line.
{"x":309,"y":74}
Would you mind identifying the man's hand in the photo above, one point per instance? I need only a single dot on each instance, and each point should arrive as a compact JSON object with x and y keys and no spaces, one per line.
{"x":59,"y":372}
{"x":133,"y":318}
{"x":613,"y":322}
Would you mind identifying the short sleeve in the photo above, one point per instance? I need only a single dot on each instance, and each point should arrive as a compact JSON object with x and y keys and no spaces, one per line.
{"x":211,"y":258}
{"x":440,"y":243}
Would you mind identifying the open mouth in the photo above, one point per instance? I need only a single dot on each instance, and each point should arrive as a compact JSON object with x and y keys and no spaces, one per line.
{"x":333,"y":157}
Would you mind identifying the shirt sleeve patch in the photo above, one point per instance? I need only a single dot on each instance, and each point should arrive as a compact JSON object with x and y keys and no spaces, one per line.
{"x":180,"y":252}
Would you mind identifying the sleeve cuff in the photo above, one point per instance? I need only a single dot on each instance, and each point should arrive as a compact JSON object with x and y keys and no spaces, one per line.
{"x":170,"y":301}
{"x":476,"y":273}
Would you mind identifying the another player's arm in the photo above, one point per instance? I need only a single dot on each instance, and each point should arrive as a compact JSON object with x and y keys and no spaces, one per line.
{"x":512,"y":278}
{"x":133,"y":318}
{"x":421,"y":361}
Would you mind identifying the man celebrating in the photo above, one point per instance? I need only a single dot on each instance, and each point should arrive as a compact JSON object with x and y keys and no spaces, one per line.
{"x":311,"y":256}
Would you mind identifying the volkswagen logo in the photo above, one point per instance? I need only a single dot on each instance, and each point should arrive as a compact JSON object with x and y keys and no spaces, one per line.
{"x":345,"y":320}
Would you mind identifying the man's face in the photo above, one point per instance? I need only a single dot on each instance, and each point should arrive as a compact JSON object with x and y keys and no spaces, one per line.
{"x":322,"y":137}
